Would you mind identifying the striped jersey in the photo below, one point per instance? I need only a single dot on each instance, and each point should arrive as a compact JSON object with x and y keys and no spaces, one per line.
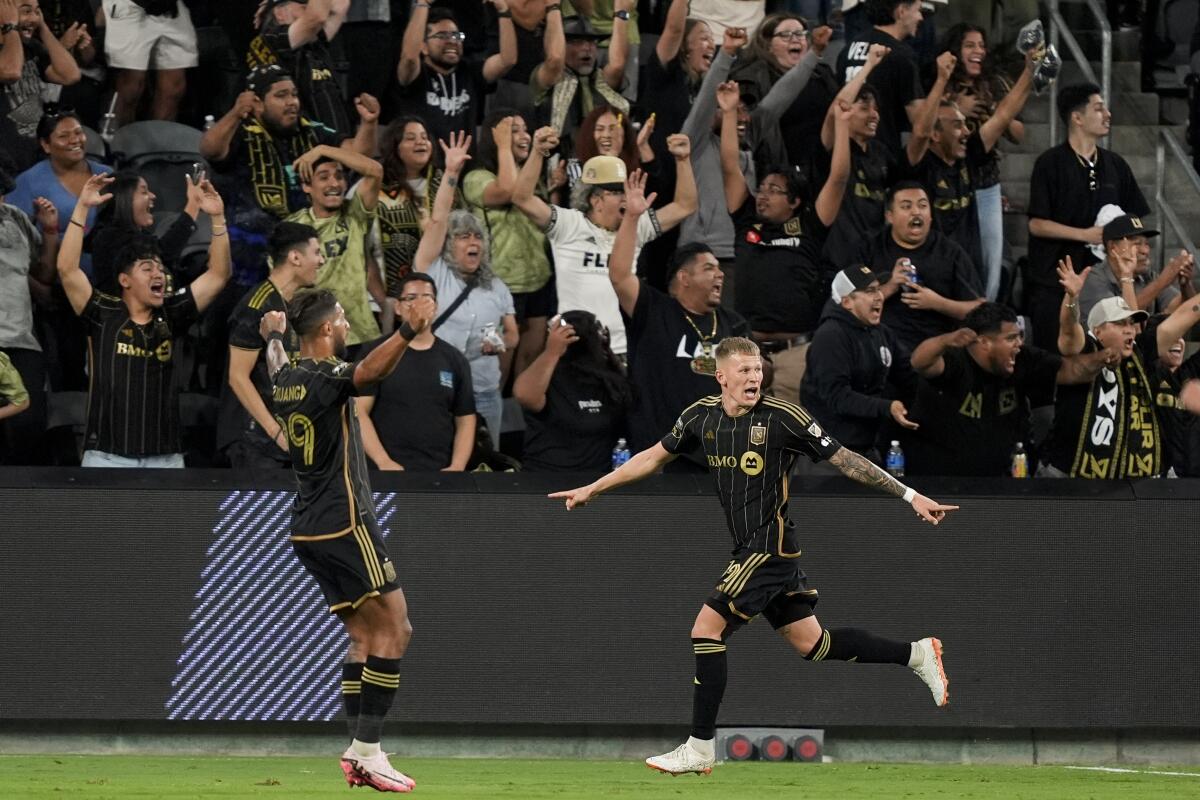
{"x":133,"y":399}
{"x":314,"y":403}
{"x":750,"y":458}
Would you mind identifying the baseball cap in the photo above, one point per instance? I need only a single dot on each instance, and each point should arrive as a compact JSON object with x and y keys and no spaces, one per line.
{"x":852,"y":279}
{"x":1113,"y":309}
{"x":606,"y":171}
{"x":1126,"y":225}
{"x":576,"y":27}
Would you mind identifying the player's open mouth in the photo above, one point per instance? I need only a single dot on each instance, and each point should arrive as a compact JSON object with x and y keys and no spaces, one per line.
{"x":751,"y":392}
{"x":474,"y":251}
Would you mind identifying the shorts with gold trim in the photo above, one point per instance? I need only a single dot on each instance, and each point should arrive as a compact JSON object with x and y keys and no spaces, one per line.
{"x":761,"y":583}
{"x":350,"y":568}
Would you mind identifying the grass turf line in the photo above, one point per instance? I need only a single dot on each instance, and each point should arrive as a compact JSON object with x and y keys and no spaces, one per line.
{"x":35,"y":777}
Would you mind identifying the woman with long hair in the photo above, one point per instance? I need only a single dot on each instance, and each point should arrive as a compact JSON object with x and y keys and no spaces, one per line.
{"x":131,"y":212}
{"x":575,"y":396}
{"x":411,"y":178}
{"x":519,"y":255}
{"x":606,"y":131}
{"x":976,"y":86}
{"x":476,"y":308}
{"x":779,"y":44}
{"x":673,"y":75}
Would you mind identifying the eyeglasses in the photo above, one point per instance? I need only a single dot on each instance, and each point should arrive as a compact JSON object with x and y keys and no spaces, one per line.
{"x":772,"y":189}
{"x":412,"y":298}
{"x":447,"y":36}
{"x":791,"y":36}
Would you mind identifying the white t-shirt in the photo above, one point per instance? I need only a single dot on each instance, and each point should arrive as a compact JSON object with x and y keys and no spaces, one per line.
{"x":581,"y":250}
{"x":722,"y":14}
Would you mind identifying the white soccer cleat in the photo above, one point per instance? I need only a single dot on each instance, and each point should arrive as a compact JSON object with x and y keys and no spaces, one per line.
{"x":682,"y":760}
{"x":350,"y":768}
{"x":931,"y":670}
{"x":377,"y":772}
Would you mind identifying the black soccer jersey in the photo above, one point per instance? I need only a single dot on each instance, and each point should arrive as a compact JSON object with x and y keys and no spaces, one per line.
{"x":133,"y":406}
{"x":235,"y":423}
{"x":313,"y":401}
{"x":750,"y":458}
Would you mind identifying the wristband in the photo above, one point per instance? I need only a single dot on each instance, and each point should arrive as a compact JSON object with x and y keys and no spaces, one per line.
{"x":73,"y":222}
{"x":275,"y":336}
{"x":407,"y":332}
{"x":556,"y":7}
{"x":504,"y":14}
{"x":278,"y":433}
{"x":909,"y":494}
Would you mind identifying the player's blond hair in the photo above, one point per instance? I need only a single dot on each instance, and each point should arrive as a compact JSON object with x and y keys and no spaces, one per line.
{"x":735,"y":346}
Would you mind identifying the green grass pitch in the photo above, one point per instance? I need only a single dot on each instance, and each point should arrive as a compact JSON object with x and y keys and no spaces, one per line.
{"x":161,"y":778}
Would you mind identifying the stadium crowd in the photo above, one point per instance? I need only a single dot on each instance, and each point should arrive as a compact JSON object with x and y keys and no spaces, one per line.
{"x":594,"y":193}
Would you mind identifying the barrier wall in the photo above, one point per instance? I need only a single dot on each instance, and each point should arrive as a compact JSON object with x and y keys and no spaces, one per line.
{"x":162,"y":595}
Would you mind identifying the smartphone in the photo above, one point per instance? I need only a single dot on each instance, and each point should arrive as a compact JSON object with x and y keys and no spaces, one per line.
{"x":197,"y":173}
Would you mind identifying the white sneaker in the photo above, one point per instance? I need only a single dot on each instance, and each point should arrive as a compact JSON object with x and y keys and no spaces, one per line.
{"x":378,"y":773}
{"x":350,"y":761}
{"x":681,"y":760}
{"x":931,"y":670}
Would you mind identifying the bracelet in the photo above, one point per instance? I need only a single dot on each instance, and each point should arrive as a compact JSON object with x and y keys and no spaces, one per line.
{"x":909,"y":494}
{"x":222,"y":233}
{"x":278,"y":433}
{"x":80,"y":224}
{"x":406,"y":331}
{"x":504,"y":14}
{"x":555,"y":7}
{"x":1126,"y":280}
{"x":1073,"y":305}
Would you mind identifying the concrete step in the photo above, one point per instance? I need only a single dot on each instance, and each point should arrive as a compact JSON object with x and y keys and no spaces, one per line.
{"x":1126,"y":75}
{"x":1017,"y":167}
{"x":1129,"y":108}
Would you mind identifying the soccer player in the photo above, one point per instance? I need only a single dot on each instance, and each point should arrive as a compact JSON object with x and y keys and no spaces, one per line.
{"x":334,"y":531}
{"x":751,"y":442}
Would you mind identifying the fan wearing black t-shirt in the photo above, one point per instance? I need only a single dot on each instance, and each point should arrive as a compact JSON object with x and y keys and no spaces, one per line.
{"x":780,"y":287}
{"x":1069,"y":185}
{"x":435,"y":83}
{"x":671,"y":335}
{"x":750,"y":444}
{"x":897,"y":81}
{"x":934,"y":284}
{"x":133,"y":403}
{"x":973,"y":404}
{"x":422,"y":416}
{"x":947,"y":155}
{"x":335,"y":534}
{"x":246,"y":429}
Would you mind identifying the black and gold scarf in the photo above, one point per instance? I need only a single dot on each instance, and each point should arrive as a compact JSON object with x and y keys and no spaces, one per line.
{"x":1119,"y":434}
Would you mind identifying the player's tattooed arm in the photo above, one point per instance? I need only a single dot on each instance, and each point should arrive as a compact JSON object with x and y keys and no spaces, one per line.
{"x":862,"y":470}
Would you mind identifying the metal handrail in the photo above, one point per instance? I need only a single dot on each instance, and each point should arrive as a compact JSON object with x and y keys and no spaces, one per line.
{"x":1058,"y":27}
{"x":1168,"y":143}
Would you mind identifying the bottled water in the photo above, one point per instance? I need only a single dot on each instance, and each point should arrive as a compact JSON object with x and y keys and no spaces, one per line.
{"x":621,"y":453}
{"x":895,"y":460}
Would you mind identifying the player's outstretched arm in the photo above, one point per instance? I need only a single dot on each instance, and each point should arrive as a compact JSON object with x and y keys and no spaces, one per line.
{"x":862,"y":470}
{"x":380,"y":362}
{"x":642,"y":465}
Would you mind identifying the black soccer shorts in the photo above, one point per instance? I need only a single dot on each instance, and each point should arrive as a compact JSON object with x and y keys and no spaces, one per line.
{"x":351,"y":568}
{"x":761,"y":583}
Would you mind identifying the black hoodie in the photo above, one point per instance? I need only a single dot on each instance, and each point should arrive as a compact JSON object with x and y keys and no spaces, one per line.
{"x":850,"y":365}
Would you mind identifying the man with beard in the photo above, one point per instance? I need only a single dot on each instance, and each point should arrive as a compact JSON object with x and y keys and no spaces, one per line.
{"x":1108,"y":427}
{"x":946,"y":155}
{"x":581,"y":87}
{"x":246,"y":431}
{"x":977,"y":389}
{"x":933,"y":282}
{"x":295,"y":34}
{"x":435,"y":83}
{"x":29,"y":56}
{"x":852,"y":362}
{"x":133,"y":405}
{"x":342,"y":225}
{"x":252,"y":149}
{"x":671,"y":336}
{"x":335,"y":533}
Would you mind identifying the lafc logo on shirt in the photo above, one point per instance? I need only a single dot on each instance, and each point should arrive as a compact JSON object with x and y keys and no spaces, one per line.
{"x":758,"y":434}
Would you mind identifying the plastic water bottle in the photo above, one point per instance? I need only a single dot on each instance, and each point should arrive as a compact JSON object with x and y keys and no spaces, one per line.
{"x":209,"y":121}
{"x":913,"y":276}
{"x":1020,"y":461}
{"x":621,"y":453}
{"x":895,"y":460}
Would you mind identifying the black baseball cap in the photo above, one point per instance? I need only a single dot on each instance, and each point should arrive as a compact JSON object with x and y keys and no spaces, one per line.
{"x":576,"y":27}
{"x":1127,"y":225}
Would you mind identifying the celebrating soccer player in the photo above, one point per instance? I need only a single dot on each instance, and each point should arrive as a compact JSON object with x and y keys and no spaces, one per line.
{"x":334,"y":530}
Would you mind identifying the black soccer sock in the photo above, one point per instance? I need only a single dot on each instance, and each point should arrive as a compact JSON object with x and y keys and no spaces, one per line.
{"x":380,"y":679}
{"x":855,"y":644}
{"x":711,"y":675}
{"x":352,"y":693}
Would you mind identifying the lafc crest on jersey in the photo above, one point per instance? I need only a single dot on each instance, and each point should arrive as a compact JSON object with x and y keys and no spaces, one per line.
{"x":758,"y":434}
